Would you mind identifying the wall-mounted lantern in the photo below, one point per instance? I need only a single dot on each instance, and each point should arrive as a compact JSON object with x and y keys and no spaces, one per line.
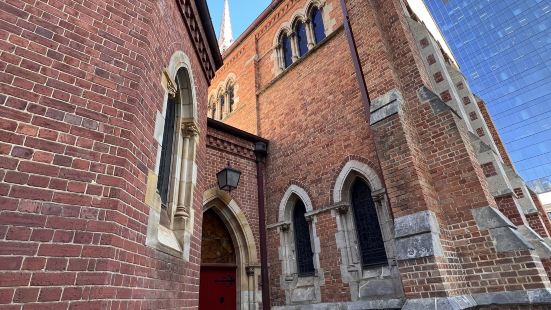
{"x":228,"y":178}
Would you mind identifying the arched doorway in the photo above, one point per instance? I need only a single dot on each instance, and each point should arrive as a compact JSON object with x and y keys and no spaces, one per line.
{"x":228,"y":249}
{"x":218,"y":288}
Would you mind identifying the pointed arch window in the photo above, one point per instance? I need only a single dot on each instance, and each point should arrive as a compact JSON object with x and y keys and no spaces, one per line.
{"x":231,"y":97}
{"x":222,"y":104}
{"x":286,"y":51}
{"x":370,"y":239}
{"x":302,"y":40}
{"x":213,"y":112}
{"x":317,"y":25}
{"x":212,"y":107}
{"x":305,"y":256}
{"x":165,"y":167}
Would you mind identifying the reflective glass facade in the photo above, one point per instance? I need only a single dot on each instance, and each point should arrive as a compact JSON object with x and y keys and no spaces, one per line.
{"x":504,"y":49}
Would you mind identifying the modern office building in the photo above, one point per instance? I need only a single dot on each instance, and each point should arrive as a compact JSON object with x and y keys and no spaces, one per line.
{"x":504,"y":49}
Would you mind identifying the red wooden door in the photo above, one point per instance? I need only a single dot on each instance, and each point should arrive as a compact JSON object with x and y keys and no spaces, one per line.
{"x":217,"y":288}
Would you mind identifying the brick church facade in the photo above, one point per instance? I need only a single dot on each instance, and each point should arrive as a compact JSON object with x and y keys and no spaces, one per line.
{"x":371,"y":176}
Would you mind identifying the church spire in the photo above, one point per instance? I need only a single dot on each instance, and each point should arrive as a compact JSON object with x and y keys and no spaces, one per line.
{"x":226,"y":36}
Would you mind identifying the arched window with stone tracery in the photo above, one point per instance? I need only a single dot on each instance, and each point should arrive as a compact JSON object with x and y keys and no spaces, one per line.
{"x":171,"y":186}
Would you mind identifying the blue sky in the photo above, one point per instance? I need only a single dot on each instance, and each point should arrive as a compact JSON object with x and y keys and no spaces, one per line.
{"x":242,"y":13}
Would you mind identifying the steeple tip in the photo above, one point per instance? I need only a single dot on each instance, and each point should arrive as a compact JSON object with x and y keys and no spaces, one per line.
{"x":226,"y":35}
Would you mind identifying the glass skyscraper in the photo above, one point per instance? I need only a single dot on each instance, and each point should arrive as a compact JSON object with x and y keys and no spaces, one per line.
{"x":504,"y":49}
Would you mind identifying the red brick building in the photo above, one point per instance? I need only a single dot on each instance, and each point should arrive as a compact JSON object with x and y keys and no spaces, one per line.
{"x":409,"y":198}
{"x":384,"y":185}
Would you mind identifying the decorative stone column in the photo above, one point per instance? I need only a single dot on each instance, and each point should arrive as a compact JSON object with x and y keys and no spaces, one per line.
{"x":310,"y":33}
{"x":190,"y":132}
{"x":294,"y":45}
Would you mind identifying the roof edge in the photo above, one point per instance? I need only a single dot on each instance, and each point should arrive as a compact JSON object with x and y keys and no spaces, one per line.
{"x":211,"y":123}
{"x":206,"y":22}
{"x":267,"y":11}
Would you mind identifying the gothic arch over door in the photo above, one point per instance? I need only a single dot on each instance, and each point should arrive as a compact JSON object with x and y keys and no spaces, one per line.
{"x":247,"y":266}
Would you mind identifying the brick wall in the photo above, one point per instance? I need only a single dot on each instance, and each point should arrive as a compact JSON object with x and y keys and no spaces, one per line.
{"x":314,"y":117}
{"x":80,"y":86}
{"x":223,"y":149}
{"x":241,"y":64}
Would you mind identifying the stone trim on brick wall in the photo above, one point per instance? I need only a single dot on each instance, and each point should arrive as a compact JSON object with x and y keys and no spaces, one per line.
{"x":298,"y":290}
{"x":417,"y":235}
{"x":460,"y":302}
{"x":174,"y":237}
{"x":370,"y":174}
{"x":380,"y":282}
{"x":504,"y":233}
{"x":248,"y":265}
{"x":511,"y":298}
{"x":385,"y":106}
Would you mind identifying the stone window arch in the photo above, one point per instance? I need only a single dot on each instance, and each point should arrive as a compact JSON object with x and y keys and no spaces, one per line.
{"x":300,"y":279}
{"x":230,"y":91}
{"x":285,"y":50}
{"x":358,"y":188}
{"x":309,"y":26}
{"x":171,"y":186}
{"x":223,"y":101}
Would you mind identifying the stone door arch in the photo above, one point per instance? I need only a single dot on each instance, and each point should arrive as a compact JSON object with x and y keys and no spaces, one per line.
{"x":248,"y":266}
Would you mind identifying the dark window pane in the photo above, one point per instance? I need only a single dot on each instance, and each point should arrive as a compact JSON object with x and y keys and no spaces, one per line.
{"x":212,"y":108}
{"x":213,"y":111}
{"x":317,"y":24}
{"x":287,"y":52}
{"x":370,"y":239}
{"x":231,"y":97}
{"x":222,"y":106}
{"x":305,"y":257}
{"x":166,"y":152}
{"x":301,"y":38}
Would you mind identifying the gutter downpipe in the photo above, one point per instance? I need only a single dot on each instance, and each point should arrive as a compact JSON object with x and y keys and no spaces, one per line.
{"x":261,"y":151}
{"x":356,"y":60}
{"x":361,"y":83}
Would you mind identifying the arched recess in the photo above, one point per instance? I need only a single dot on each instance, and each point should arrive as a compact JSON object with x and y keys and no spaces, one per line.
{"x":362,"y":280}
{"x":345,"y":178}
{"x":298,"y":289}
{"x":248,"y":266}
{"x":170,"y":223}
